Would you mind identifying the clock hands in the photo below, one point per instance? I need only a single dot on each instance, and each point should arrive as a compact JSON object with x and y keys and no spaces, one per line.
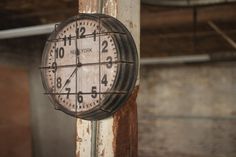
{"x":80,"y":65}
{"x":68,"y":80}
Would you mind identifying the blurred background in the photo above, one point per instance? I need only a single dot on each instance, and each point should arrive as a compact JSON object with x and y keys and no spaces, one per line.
{"x":187,"y":97}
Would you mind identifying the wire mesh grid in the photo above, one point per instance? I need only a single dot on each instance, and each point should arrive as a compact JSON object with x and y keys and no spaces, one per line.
{"x":78,"y":64}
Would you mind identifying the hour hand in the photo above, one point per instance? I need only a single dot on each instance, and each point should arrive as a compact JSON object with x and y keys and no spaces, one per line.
{"x":77,"y":53}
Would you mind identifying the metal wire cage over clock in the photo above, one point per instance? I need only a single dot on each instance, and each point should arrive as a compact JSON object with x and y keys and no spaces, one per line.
{"x":89,"y":66}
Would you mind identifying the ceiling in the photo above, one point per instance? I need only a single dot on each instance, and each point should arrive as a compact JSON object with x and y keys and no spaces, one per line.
{"x":165,"y":31}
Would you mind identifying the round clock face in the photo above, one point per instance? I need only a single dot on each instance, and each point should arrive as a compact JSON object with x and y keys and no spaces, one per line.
{"x":89,"y":66}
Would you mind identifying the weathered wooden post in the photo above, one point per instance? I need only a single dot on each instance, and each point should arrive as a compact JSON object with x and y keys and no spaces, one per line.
{"x":115,"y":136}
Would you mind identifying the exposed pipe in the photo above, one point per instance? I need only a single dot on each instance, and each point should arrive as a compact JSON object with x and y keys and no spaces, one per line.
{"x":27,"y":31}
{"x":47,"y":29}
{"x":186,"y":3}
{"x":175,"y":59}
{"x":222,"y":34}
{"x":214,"y":57}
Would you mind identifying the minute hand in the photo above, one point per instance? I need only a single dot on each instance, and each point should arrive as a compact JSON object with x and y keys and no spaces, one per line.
{"x":75,"y":70}
{"x":68,"y":80}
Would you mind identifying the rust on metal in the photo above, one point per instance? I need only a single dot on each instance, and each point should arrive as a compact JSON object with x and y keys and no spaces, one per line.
{"x":125,"y":128}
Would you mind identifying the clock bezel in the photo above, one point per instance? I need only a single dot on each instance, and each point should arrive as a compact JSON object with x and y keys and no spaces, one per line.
{"x":126,"y":75}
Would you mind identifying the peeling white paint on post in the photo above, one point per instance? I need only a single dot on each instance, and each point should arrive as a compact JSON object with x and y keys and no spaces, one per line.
{"x":88,"y":6}
{"x":105,"y":134}
{"x":84,"y":127}
{"x":128,"y":12}
{"x":110,"y":7}
{"x":105,"y":138}
{"x":83,"y":139}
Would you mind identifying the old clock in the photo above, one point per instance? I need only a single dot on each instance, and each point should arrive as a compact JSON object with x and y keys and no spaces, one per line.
{"x":89,"y":66}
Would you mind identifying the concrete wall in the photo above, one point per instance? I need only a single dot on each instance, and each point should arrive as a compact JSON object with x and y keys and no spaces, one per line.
{"x":15,"y":132}
{"x":52,"y":132}
{"x":15,"y":129}
{"x":188,"y":111}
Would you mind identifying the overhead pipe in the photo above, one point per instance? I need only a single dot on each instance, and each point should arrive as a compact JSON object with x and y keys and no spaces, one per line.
{"x":47,"y":29}
{"x":27,"y":31}
{"x":222,"y":34}
{"x":203,"y":58}
{"x":185,"y":3}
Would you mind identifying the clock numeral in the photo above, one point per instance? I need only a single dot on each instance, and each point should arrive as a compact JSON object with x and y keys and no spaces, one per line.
{"x":65,"y":40}
{"x":105,"y":44}
{"x":58,"y":82}
{"x":94,"y":95}
{"x":80,"y":97}
{"x":80,"y":32}
{"x":104,"y":80}
{"x":54,"y":67}
{"x":68,"y":93}
{"x":109,"y":60}
{"x":59,"y":52}
{"x":94,"y":35}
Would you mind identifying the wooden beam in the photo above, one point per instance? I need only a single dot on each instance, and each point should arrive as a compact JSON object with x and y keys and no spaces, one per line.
{"x":152,"y":17}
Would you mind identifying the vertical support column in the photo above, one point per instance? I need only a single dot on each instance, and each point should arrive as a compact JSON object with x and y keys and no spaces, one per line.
{"x":85,"y":142}
{"x":116,"y":136}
